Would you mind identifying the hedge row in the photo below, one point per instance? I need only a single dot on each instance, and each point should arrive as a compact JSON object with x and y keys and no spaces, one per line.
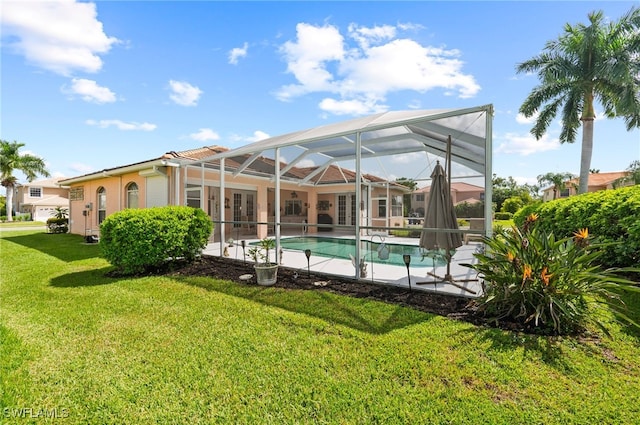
{"x":612,"y":216}
{"x":134,"y":240}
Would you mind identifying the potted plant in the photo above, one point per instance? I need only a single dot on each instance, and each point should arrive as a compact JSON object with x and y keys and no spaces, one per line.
{"x":266,"y":271}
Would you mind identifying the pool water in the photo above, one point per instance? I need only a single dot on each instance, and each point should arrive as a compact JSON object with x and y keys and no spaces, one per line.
{"x":343,"y":248}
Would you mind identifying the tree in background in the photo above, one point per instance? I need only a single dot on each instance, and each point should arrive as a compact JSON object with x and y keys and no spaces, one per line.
{"x":599,"y":61}
{"x":406,"y":199}
{"x":10,"y":161}
{"x":505,"y":188}
{"x":558,"y":181}
{"x":633,"y":176}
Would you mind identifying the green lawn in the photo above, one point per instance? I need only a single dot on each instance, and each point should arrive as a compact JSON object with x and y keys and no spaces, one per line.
{"x":95,"y":349}
{"x":13,"y":224}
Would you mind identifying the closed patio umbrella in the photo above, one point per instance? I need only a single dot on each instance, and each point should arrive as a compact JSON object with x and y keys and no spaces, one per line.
{"x":441,"y":215}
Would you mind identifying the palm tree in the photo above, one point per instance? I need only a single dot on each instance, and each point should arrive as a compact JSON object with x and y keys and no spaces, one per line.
{"x":587,"y":63}
{"x":10,"y":161}
{"x":559,"y":181}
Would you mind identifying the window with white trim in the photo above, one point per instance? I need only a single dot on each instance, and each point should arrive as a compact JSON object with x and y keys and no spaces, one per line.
{"x":132,"y":195}
{"x":102,"y":204}
{"x":35,"y":192}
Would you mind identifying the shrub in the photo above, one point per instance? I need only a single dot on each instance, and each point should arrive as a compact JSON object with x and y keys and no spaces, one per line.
{"x":512,"y":204}
{"x":58,"y":225}
{"x":546,"y":284}
{"x":503,"y":216}
{"x":611,"y":214}
{"x":469,"y":210}
{"x":134,"y":240}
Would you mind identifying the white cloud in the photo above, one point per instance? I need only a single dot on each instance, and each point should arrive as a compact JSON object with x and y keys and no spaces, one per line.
{"x":121,"y":125}
{"x":366,"y":36}
{"x":205,"y":134}
{"x":237,"y":53}
{"x":526,"y":144}
{"x":257,"y":136}
{"x":375,"y":64}
{"x":351,"y":106}
{"x":184,"y":93}
{"x":306,"y":163}
{"x":90,"y":91}
{"x":526,"y":180}
{"x":407,"y":158}
{"x":521,"y":119}
{"x":60,"y":36}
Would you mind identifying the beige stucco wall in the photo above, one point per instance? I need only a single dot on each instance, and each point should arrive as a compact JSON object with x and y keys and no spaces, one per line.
{"x":115,"y":187}
{"x":261,"y":188}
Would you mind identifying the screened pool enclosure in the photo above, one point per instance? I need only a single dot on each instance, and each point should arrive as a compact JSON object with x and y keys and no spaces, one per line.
{"x":339,"y":177}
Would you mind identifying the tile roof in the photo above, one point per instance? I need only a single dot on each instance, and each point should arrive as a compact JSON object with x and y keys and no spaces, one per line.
{"x":260,"y":166}
{"x":51,"y":183}
{"x":456,"y":187}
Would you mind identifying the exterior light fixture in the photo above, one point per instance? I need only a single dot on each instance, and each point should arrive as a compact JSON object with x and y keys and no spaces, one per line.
{"x":307,"y":253}
{"x":407,"y":260}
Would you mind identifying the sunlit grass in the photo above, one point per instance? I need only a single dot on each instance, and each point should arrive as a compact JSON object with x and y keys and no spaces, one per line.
{"x":201,"y":350}
{"x":14,"y":224}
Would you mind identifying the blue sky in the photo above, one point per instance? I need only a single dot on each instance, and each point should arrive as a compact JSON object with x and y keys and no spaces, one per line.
{"x":88,"y":86}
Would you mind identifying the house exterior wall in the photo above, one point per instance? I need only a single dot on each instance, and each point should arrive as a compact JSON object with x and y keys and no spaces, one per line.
{"x":200,"y":187}
{"x":84,"y":204}
{"x":460,"y":196}
{"x":40,"y":207}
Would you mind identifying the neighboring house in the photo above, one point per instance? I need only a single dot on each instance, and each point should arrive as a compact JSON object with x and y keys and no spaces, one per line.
{"x":597,"y":181}
{"x":460,"y":192}
{"x":40,"y":198}
{"x":177,"y":178}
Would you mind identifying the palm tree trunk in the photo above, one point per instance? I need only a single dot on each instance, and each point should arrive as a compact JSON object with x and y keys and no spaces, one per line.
{"x":587,"y":150}
{"x":9,"y":204}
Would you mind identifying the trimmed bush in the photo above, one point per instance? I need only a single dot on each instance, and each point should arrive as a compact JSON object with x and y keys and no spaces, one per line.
{"x":614,"y":215}
{"x":58,"y":225}
{"x":134,"y":240}
{"x":503,"y":216}
{"x":468,"y":210}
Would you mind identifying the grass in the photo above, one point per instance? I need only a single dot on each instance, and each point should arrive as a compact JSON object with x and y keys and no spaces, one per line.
{"x":153,"y":350}
{"x":13,"y":224}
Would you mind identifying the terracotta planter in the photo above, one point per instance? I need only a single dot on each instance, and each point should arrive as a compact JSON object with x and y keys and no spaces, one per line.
{"x":266,"y":275}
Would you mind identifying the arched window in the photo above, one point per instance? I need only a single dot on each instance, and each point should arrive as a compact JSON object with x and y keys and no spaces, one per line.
{"x":132,"y":195}
{"x":102,"y":204}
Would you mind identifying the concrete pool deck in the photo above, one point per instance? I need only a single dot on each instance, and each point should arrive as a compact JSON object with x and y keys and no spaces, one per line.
{"x":383,"y":273}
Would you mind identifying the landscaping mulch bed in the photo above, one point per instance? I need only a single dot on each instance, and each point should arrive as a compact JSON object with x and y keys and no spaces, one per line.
{"x":231,"y":269}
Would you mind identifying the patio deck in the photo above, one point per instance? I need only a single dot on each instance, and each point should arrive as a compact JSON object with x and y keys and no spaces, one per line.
{"x":382,"y":273}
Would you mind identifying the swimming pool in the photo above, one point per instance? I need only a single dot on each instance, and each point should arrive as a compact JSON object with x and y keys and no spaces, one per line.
{"x":343,"y":248}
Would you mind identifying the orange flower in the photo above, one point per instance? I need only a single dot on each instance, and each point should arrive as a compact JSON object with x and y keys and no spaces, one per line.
{"x":580,"y":237}
{"x":581,"y":234}
{"x":532,"y":217}
{"x":545,"y":276}
{"x":526,"y":272}
{"x":510,"y":256}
